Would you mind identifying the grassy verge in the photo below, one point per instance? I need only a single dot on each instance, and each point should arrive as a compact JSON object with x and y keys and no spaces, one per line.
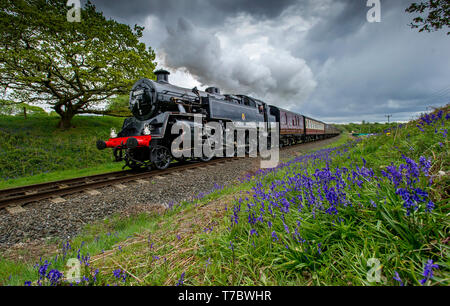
{"x":102,"y":238}
{"x":61,"y":175}
{"x":369,"y":212}
{"x":34,"y":150}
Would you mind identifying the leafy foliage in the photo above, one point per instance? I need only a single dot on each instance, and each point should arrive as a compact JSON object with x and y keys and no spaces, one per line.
{"x":70,"y":65}
{"x":11,"y":108}
{"x":365,"y":127}
{"x":119,"y":106}
{"x":438,"y":15}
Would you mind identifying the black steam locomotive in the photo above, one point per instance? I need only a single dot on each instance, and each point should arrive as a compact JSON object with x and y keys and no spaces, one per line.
{"x":145,"y":139}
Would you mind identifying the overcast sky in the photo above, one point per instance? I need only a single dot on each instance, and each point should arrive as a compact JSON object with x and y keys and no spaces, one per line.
{"x":321,"y":58}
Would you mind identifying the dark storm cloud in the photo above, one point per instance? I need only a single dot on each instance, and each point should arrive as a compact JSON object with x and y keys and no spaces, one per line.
{"x":200,"y":12}
{"x":342,"y":18}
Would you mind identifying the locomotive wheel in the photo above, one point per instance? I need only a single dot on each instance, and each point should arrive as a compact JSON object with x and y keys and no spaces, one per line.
{"x":205,"y":158}
{"x":161,"y":157}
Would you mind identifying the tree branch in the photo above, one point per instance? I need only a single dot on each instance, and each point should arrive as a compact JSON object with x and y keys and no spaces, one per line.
{"x":105,"y":113}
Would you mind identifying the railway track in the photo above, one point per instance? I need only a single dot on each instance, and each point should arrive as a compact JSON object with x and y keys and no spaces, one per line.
{"x":19,"y":196}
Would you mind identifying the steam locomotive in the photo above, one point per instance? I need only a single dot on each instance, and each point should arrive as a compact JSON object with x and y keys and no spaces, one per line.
{"x":145,"y":139}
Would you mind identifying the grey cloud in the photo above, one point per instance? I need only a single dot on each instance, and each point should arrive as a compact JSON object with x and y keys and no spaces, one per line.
{"x":275,"y":75}
{"x":383,"y":68}
{"x":318,"y":57}
{"x":200,"y":12}
{"x":343,"y":18}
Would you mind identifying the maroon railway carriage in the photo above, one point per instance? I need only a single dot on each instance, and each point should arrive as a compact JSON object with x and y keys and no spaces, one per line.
{"x":292,"y":127}
{"x":296,"y":128}
{"x":314,"y":129}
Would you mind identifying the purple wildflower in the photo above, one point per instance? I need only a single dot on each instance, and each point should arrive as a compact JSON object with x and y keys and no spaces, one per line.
{"x":231,"y":246}
{"x":274,"y":236}
{"x":428,"y":271}
{"x":397,"y":278}
{"x":54,"y":276}
{"x":120,"y":275}
{"x":181,"y":280}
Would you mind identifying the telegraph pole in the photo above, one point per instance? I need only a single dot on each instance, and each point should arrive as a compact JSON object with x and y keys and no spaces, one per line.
{"x":388,"y":116}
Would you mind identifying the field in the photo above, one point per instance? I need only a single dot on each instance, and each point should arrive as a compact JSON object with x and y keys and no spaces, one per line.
{"x":34,"y":150}
{"x":371,"y":211}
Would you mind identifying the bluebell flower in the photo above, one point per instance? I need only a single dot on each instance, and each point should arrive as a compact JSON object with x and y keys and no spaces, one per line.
{"x":274,"y":236}
{"x":231,"y":246}
{"x":181,"y":280}
{"x":397,"y":278}
{"x":54,"y":276}
{"x":428,"y":271}
{"x":120,"y":275}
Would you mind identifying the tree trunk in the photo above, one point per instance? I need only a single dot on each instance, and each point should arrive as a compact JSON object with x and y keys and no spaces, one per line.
{"x":65,"y":122}
{"x":67,"y":113}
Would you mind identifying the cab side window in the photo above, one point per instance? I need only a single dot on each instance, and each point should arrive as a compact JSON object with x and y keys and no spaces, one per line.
{"x":260,"y":108}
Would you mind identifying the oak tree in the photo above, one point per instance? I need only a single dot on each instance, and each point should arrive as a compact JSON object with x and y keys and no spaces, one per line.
{"x":72,"y":66}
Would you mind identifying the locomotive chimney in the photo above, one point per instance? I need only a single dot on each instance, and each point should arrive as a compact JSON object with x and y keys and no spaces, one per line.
{"x":162,"y":76}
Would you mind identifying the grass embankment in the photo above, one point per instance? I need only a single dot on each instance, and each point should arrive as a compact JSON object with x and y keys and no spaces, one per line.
{"x":369,"y":212}
{"x":34,"y":150}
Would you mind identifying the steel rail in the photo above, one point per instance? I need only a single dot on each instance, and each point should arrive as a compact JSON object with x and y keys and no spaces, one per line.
{"x":26,"y":194}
